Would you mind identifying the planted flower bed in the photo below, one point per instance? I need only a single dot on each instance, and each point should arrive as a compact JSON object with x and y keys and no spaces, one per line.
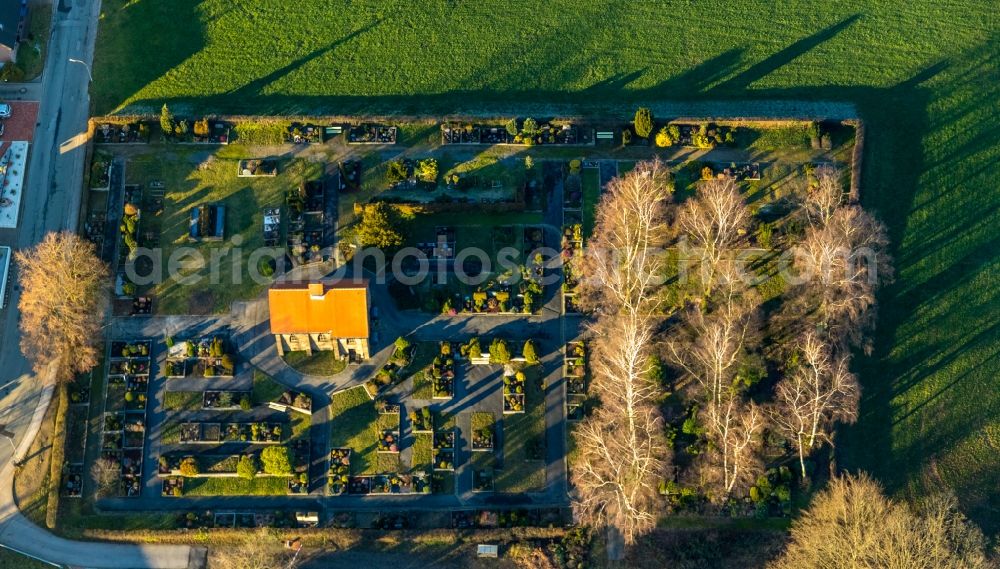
{"x":575,"y":370}
{"x":138,"y":349}
{"x":483,"y":425}
{"x":298,"y":484}
{"x":175,"y":369}
{"x":513,"y":393}
{"x":442,"y":372}
{"x":444,"y":450}
{"x":391,"y":372}
{"x":422,"y":420}
{"x":340,"y":470}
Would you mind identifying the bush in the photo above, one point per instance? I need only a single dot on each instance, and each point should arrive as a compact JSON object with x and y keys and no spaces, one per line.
{"x":427,"y":170}
{"x":166,"y":120}
{"x":663,"y":138}
{"x":530,"y":353}
{"x":475,"y":351}
{"x":189,"y":466}
{"x":512,"y":127}
{"x":396,"y":171}
{"x":529,"y":128}
{"x":277,"y":460}
{"x":247,"y":467}
{"x":643,"y":122}
{"x":499,"y":352}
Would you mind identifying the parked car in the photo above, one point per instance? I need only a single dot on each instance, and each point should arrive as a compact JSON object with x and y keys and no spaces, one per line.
{"x":4,"y":111}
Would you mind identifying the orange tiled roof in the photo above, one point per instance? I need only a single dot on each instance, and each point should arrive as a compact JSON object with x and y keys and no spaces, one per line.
{"x":337,"y":307}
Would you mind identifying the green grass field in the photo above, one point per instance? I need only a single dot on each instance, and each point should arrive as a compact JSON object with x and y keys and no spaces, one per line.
{"x":923,"y":74}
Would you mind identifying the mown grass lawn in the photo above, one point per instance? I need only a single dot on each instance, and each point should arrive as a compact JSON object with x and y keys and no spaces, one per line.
{"x":524,"y":442}
{"x":234,"y":486}
{"x":318,"y":363}
{"x":202,"y":277}
{"x":923,"y":74}
{"x":357,"y":425}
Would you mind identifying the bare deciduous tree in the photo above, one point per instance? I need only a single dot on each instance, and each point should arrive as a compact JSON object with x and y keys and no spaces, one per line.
{"x":817,"y":394}
{"x":714,"y":221}
{"x":824,"y":197}
{"x":106,"y":474}
{"x":621,"y":450}
{"x":841,"y":264}
{"x":258,"y":550}
{"x":734,"y":437}
{"x":852,"y":524}
{"x":62,"y":304}
{"x":710,"y":346}
{"x":624,"y":257}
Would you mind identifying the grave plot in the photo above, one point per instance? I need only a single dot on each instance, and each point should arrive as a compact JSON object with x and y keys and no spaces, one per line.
{"x":122,"y":133}
{"x":272,"y":226}
{"x":307,"y":133}
{"x":257,"y":167}
{"x":483,"y":431}
{"x":461,"y":134}
{"x":513,"y":392}
{"x":443,"y":457}
{"x":371,"y":134}
{"x":533,"y":133}
{"x":575,"y":376}
{"x":394,"y":370}
{"x":306,"y":221}
{"x":129,"y":240}
{"x":740,"y":171}
{"x":339,"y":472}
{"x":226,"y":400}
{"x":208,"y":223}
{"x":350,"y":175}
{"x":571,"y":255}
{"x":208,"y":356}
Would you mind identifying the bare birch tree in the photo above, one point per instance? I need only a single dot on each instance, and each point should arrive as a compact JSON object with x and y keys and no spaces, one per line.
{"x":714,"y":222}
{"x":825,"y":197}
{"x":818,"y":393}
{"x":709,"y":347}
{"x":624,"y":258}
{"x":734,"y":438}
{"x":852,"y":524}
{"x":622,"y":453}
{"x":62,"y":304}
{"x":841,"y":265}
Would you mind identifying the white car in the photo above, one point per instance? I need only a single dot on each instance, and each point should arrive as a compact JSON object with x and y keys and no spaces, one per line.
{"x":4,"y":111}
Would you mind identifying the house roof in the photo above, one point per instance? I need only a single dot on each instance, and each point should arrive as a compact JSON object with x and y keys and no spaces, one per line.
{"x":339,"y":307}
